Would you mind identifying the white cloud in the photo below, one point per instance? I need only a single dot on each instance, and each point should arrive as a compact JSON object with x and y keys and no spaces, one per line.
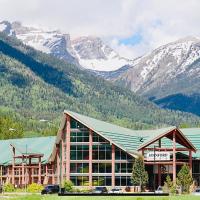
{"x":158,"y":21}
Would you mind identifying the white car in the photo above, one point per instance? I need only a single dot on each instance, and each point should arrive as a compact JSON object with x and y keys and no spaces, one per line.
{"x":115,"y":190}
{"x":196,"y":192}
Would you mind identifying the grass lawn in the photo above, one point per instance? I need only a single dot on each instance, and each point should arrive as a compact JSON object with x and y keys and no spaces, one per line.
{"x":55,"y":197}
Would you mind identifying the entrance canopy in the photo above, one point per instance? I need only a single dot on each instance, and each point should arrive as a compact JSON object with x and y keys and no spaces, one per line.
{"x":180,"y":139}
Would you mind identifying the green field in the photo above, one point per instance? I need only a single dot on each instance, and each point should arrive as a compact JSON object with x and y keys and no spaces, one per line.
{"x":55,"y":197}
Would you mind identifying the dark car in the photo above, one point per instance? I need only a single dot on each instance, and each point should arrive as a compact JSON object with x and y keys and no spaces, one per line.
{"x":100,"y":190}
{"x":51,"y":189}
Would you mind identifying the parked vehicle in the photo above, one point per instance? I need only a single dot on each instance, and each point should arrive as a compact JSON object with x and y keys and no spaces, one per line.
{"x":51,"y":189}
{"x":196,"y":192}
{"x":115,"y":191}
{"x":159,"y":190}
{"x":100,"y":190}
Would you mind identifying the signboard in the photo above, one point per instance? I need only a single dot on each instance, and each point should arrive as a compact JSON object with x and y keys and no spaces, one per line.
{"x":158,"y":156}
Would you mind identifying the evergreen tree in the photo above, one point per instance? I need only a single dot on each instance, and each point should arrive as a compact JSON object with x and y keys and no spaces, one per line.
{"x":184,"y":178}
{"x":139,"y":175}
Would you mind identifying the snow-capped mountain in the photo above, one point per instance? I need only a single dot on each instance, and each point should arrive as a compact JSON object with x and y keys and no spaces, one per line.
{"x":88,"y":52}
{"x":169,"y":75}
{"x":152,"y":74}
{"x":93,"y":54}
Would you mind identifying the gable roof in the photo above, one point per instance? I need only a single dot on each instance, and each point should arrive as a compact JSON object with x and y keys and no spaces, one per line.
{"x":180,"y":139}
{"x":43,"y":145}
{"x":127,"y":139}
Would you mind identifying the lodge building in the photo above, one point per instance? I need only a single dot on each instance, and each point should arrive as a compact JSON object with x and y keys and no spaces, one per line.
{"x":91,"y":153}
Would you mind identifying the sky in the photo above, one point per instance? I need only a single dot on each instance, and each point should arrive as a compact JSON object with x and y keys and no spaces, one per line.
{"x":131,"y":27}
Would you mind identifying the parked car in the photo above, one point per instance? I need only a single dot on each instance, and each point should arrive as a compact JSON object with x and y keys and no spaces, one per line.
{"x":100,"y":190}
{"x":50,"y":189}
{"x":159,"y":190}
{"x":115,"y":191}
{"x":196,"y":192}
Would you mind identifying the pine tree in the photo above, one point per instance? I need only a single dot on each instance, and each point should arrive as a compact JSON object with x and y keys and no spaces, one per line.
{"x":184,"y":178}
{"x":139,"y":175}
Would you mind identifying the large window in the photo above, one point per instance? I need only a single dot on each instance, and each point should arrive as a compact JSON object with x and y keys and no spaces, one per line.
{"x":123,"y":167}
{"x":101,"y":168}
{"x":121,"y":155}
{"x":101,"y":159}
{"x":122,"y":180}
{"x":82,"y":136}
{"x":101,"y":180}
{"x":101,"y":151}
{"x":79,"y":152}
{"x":80,"y":180}
{"x":79,"y":168}
{"x":76,"y":125}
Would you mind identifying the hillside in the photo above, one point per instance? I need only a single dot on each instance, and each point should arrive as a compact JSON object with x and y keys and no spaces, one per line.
{"x":39,"y":86}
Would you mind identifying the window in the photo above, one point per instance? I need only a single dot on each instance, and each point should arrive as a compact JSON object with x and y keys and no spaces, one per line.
{"x":80,"y":180}
{"x":101,"y":181}
{"x":79,"y":152}
{"x":79,"y":167}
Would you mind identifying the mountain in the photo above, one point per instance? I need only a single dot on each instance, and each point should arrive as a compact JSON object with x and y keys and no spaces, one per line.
{"x":87,"y":52}
{"x":164,"y":74}
{"x":93,"y":54}
{"x":39,"y":86}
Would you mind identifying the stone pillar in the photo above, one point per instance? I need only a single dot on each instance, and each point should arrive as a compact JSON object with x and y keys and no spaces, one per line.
{"x":90,"y":158}
{"x":68,"y":147}
{"x":174,"y":157}
{"x":113,"y":165}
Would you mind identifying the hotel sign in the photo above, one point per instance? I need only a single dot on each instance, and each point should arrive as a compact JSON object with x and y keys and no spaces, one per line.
{"x":158,"y":156}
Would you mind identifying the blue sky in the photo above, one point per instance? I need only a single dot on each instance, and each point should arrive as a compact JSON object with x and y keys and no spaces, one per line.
{"x":133,"y":40}
{"x":131,"y":27}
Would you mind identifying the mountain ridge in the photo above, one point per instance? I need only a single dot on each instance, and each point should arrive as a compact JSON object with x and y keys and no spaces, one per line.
{"x":40,"y":86}
{"x":88,"y":52}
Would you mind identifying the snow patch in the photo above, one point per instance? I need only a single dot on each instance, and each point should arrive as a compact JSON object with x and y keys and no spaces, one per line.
{"x":2,"y":27}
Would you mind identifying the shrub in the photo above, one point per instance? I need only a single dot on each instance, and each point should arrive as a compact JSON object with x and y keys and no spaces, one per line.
{"x":169,"y":186}
{"x":184,"y":178}
{"x":34,"y":187}
{"x":68,"y":185}
{"x":8,"y":187}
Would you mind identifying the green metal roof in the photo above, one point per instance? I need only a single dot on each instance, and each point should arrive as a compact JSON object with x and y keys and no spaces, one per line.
{"x":127,"y":139}
{"x":42,"y":145}
{"x":193,"y":134}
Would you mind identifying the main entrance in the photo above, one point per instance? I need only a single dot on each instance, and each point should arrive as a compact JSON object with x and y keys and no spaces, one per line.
{"x":165,"y":154}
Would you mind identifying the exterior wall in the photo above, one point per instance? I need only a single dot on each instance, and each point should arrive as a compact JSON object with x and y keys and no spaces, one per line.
{"x":93,"y":160}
